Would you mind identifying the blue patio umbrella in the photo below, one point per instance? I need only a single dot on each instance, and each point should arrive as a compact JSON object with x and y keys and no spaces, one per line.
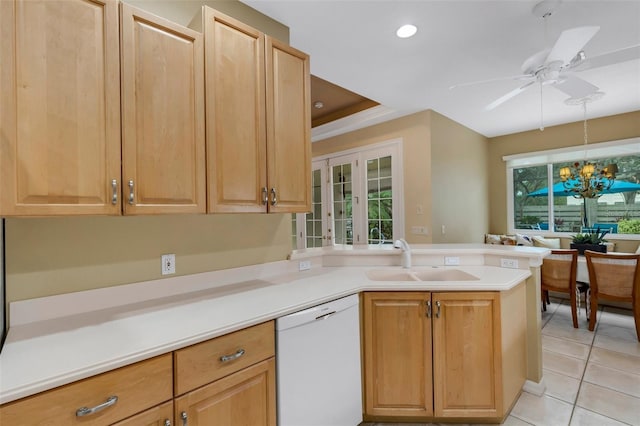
{"x":559,"y":191}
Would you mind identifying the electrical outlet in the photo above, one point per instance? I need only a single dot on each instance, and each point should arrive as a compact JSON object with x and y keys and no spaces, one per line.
{"x":304,"y":265}
{"x":451,"y":260}
{"x":168,"y":264}
{"x":419,"y":230}
{"x":509,"y":263}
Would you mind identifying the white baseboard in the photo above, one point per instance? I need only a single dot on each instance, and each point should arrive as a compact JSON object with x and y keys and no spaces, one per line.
{"x":535,"y":388}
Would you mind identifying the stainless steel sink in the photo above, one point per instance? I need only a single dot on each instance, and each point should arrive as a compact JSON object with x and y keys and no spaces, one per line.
{"x":435,"y":274}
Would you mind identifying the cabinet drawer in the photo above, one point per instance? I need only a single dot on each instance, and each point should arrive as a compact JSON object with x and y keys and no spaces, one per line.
{"x":205,"y":362}
{"x":138,"y":387}
{"x":156,"y":416}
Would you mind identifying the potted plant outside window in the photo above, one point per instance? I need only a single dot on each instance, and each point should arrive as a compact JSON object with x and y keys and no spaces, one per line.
{"x":592,"y":239}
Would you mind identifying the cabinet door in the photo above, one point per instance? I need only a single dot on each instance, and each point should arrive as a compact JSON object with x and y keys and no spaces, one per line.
{"x":288,"y":128}
{"x":163,"y":151}
{"x":236,"y":138}
{"x":162,"y":415}
{"x":59,"y":107}
{"x":397,"y":354}
{"x":247,"y":397}
{"x":467,"y":357}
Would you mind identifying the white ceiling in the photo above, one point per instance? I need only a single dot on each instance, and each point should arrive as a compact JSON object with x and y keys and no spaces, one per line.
{"x":353,"y":44}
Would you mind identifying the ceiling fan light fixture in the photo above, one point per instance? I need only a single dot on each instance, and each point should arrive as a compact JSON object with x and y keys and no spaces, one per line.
{"x":406,"y":31}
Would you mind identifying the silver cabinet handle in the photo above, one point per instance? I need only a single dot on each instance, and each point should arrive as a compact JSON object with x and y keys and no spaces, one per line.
{"x":131,"y":191}
{"x":167,"y":422}
{"x":428,"y":308}
{"x":183,"y":416}
{"x":274,"y":198}
{"x":438,"y":311}
{"x":227,"y":358}
{"x":114,"y":192}
{"x":86,"y":411}
{"x":265,"y":195}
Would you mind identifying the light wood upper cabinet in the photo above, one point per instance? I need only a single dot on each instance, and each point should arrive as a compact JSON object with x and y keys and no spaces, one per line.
{"x":235,"y":98}
{"x":163,"y":145}
{"x":258,"y":120}
{"x":397,"y":354}
{"x":59,"y":107}
{"x":288,"y":128}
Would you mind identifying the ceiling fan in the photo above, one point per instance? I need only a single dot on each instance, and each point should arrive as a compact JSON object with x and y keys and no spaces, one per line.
{"x":556,"y":66}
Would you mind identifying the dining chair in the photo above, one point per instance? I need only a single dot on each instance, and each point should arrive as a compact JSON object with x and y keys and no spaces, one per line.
{"x":614,"y":277}
{"x":558,"y":273}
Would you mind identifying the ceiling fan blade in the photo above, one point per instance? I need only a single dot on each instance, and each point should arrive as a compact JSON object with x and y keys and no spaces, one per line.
{"x":575,"y":87}
{"x":609,"y":58}
{"x":570,"y":43}
{"x":472,"y":83}
{"x":508,"y":96}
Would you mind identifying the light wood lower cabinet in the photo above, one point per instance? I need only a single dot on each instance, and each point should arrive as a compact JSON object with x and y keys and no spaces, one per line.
{"x":247,"y":397}
{"x":162,"y":415}
{"x":445,"y":355}
{"x":114,"y":396}
{"x":397,"y":355}
{"x":229,"y":380}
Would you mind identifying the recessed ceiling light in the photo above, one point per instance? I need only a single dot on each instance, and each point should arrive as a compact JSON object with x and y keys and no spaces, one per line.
{"x":406,"y":31}
{"x":318,"y":104}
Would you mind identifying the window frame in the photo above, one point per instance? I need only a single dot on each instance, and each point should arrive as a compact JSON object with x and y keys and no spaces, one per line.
{"x":623,"y":147}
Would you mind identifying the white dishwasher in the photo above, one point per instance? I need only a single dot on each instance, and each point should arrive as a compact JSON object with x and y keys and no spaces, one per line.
{"x":318,"y":365}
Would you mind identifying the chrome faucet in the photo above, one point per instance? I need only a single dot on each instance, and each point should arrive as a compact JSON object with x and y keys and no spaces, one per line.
{"x":406,"y":252}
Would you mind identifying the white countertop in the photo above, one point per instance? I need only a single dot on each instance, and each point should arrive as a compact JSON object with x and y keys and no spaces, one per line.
{"x":65,"y":338}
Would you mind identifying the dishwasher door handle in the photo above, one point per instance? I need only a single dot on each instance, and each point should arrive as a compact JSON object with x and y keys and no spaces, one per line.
{"x":325,"y":316}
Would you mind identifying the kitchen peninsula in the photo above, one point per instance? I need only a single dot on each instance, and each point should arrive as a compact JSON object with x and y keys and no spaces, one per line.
{"x":61,"y":339}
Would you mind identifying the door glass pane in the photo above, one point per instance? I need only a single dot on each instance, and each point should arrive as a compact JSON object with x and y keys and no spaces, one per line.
{"x":379,"y":205}
{"x":342,"y":204}
{"x":314,"y":218}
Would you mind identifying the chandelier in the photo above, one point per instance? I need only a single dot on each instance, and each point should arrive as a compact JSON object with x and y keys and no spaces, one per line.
{"x":587,"y":179}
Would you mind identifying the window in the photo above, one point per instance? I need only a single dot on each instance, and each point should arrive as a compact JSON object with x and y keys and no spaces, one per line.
{"x":533,"y":206}
{"x":357,"y":199}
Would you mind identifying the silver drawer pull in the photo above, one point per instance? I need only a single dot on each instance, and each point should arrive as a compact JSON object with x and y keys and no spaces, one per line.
{"x":167,"y":422}
{"x":438,"y":306}
{"x":131,"y":191}
{"x":85,"y":411}
{"x":274,"y":197}
{"x":265,"y":195}
{"x":114,"y":191}
{"x":227,"y":358}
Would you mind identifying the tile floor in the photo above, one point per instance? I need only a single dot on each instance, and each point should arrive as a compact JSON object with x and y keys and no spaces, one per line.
{"x":592,"y":378}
